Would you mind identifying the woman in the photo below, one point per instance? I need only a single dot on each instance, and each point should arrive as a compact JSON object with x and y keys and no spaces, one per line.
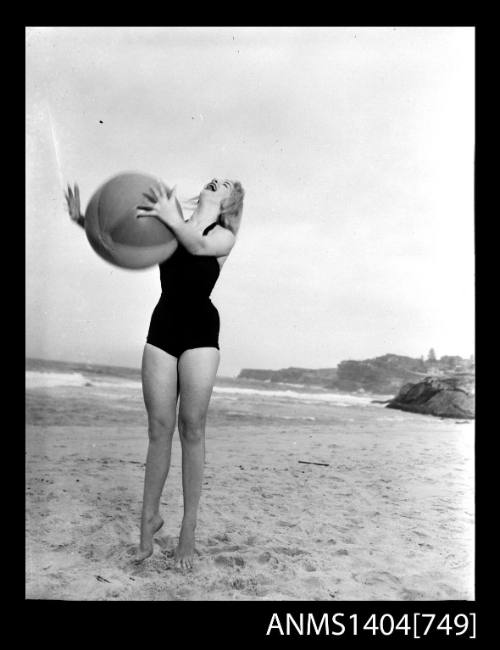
{"x":181,"y":355}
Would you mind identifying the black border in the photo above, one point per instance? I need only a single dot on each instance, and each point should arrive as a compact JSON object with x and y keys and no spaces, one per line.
{"x":169,"y":622}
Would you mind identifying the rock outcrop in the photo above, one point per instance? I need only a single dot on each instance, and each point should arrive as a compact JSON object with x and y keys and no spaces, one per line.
{"x":446,"y":397}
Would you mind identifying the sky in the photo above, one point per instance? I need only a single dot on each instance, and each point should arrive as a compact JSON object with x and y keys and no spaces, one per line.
{"x":355,"y":147}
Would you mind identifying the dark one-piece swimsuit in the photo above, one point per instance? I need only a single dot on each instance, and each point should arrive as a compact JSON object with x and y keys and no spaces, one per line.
{"x":185,"y":317}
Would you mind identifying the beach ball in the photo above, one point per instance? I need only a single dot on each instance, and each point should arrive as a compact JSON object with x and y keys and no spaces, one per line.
{"x":114,"y":231}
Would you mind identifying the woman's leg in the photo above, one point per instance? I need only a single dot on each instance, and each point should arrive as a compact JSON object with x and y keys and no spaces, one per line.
{"x":197,"y":372}
{"x":160,"y":390}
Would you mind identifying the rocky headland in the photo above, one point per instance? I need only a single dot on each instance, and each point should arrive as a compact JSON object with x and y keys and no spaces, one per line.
{"x":443,"y":387}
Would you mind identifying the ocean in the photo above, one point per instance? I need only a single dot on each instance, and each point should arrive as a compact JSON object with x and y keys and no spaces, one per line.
{"x":87,"y":394}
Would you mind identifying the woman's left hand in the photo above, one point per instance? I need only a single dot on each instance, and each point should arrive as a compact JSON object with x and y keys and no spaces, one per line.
{"x":161,"y":205}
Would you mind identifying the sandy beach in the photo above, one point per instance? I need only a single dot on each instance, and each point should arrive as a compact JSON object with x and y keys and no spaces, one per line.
{"x":388,"y":515}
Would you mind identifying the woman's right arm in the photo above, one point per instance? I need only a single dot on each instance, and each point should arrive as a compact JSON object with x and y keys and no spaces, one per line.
{"x":73,"y":201}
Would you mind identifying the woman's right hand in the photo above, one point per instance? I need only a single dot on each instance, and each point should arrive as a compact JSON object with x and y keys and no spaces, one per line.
{"x":73,"y":201}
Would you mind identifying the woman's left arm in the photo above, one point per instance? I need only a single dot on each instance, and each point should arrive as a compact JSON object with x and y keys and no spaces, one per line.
{"x":217,"y":243}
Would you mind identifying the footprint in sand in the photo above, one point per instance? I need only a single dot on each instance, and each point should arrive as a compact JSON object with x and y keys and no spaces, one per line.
{"x":241,"y":584}
{"x":291,"y":552}
{"x":412,"y":594}
{"x":419,"y":533}
{"x":376,"y":577}
{"x":229,"y":560}
{"x":224,"y":549}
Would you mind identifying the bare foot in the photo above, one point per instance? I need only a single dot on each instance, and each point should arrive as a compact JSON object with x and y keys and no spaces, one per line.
{"x":185,"y":550}
{"x":148,"y":528}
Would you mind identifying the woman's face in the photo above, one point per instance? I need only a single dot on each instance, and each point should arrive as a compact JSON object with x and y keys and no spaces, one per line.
{"x":217,"y":190}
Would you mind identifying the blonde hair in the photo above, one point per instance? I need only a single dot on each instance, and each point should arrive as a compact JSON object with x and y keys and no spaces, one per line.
{"x":232,"y":209}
